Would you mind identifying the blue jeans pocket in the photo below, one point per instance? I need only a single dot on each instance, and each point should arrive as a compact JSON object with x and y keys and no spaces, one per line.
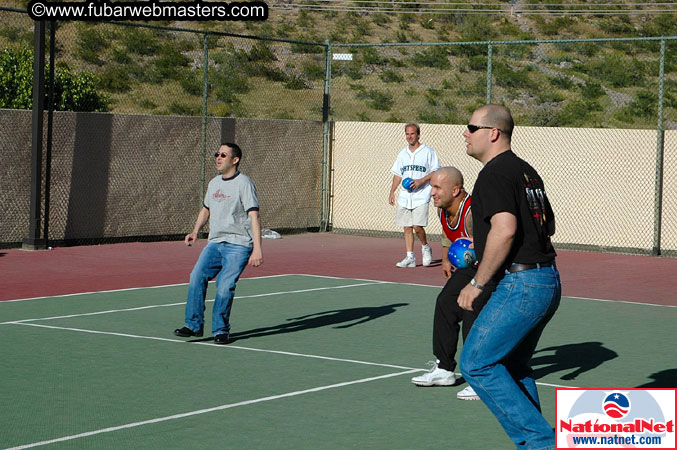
{"x":536,"y":299}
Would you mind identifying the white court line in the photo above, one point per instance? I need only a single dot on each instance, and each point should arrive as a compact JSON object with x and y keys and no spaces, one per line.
{"x":618,"y":301}
{"x":129,"y":289}
{"x":183,"y":303}
{"x":316,"y":276}
{"x":209,"y":410}
{"x":277,"y":352}
{"x":440,"y":287}
{"x":211,"y":344}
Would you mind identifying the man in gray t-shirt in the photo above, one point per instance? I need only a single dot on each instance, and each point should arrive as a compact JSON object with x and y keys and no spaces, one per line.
{"x":232,"y":208}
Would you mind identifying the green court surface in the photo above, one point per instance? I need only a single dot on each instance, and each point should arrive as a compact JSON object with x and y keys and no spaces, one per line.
{"x":317,"y":362}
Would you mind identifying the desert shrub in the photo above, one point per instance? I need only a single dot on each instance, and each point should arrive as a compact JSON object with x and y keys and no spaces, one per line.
{"x":512,"y":78}
{"x":478,"y":62}
{"x":169,"y":64}
{"x":376,"y":99}
{"x":555,"y":26}
{"x":285,"y":30}
{"x":434,"y":56}
{"x":228,"y":79}
{"x":577,"y":113}
{"x":121,"y":55}
{"x":550,"y":96}
{"x":428,"y":115}
{"x":296,"y":82}
{"x":561,"y":82}
{"x":371,"y":56}
{"x":390,"y":76}
{"x":260,"y":51}
{"x":90,"y":42}
{"x":616,"y":25}
{"x":181,"y":109}
{"x":354,"y":71}
{"x":433,"y":96}
{"x":616,"y":71}
{"x":306,"y":48}
{"x":314,"y":72}
{"x":192,"y":81}
{"x":476,"y":28}
{"x":146,"y":103}
{"x":401,"y":36}
{"x":141,"y":41}
{"x":16,"y":35}
{"x":591,"y":90}
{"x":115,"y":78}
{"x":381,"y":19}
{"x":660,"y":25}
{"x":644,"y":105}
{"x":589,"y":48}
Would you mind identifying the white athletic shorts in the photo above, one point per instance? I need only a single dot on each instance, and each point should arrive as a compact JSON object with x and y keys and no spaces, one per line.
{"x":405,"y":217}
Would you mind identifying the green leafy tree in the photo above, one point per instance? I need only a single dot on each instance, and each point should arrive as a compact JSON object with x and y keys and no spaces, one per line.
{"x":73,"y":91}
{"x":16,"y":78}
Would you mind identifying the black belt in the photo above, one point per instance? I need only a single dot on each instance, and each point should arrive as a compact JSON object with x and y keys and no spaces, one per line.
{"x":517,"y":267}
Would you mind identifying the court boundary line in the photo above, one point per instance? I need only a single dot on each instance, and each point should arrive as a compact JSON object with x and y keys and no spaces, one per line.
{"x":212,"y":344}
{"x":237,"y":347}
{"x":306,"y":275}
{"x":139,"y":308}
{"x":209,"y":410}
{"x":108,"y":291}
{"x":368,"y":283}
{"x":439,"y":287}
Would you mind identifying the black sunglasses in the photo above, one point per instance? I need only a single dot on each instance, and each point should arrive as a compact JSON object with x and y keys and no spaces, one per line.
{"x":473,"y":128}
{"x":223,"y":155}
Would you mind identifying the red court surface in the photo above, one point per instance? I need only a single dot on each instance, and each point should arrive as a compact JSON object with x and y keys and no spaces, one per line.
{"x":68,"y":270}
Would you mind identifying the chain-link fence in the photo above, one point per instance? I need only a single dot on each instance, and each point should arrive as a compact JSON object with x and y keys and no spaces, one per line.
{"x":588,"y":119}
{"x":132,"y":158}
{"x":598,"y":119}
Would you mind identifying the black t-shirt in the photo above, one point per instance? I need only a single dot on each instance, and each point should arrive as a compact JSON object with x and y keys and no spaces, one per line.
{"x":507,"y":183}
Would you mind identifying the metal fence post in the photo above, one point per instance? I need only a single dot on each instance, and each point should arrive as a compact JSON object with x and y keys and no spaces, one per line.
{"x":205,"y":87}
{"x":324,"y":221}
{"x":490,"y":52}
{"x":50,"y":126}
{"x":660,"y":151}
{"x":34,"y":241}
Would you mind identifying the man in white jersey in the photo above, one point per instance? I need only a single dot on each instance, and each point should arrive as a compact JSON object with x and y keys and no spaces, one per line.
{"x":232,"y":208}
{"x":418,"y":162}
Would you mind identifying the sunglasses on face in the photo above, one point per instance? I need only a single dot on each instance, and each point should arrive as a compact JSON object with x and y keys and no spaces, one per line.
{"x":473,"y":128}
{"x":222,"y":155}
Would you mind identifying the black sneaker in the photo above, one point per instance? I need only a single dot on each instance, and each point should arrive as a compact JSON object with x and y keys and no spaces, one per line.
{"x":187,"y":332}
{"x":221,"y":339}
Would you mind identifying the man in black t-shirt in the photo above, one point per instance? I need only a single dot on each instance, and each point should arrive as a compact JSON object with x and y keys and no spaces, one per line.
{"x":513,"y":222}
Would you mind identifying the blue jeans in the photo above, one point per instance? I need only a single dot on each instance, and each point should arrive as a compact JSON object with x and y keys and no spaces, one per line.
{"x":496,"y":354}
{"x":226,"y":260}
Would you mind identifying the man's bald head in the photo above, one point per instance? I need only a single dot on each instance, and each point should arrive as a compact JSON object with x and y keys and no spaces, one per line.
{"x":449,"y":174}
{"x":447,"y":186}
{"x":497,"y":116}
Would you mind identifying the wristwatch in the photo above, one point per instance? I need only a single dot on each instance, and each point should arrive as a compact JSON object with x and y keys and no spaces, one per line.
{"x":474,"y":283}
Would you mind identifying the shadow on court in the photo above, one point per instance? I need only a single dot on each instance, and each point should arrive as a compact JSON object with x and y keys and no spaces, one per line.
{"x":579,"y":358}
{"x":339,"y":318}
{"x":663,"y":379}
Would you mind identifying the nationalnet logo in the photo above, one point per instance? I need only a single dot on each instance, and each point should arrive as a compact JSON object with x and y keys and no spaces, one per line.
{"x":615,"y":418}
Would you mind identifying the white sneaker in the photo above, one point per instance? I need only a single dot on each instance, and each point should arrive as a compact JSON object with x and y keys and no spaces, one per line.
{"x":407,"y":262}
{"x":427,"y":255}
{"x":435,"y":377}
{"x":467,"y":394}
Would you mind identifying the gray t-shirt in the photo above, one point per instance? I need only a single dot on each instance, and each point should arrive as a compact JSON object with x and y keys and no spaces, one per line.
{"x":229,"y":201}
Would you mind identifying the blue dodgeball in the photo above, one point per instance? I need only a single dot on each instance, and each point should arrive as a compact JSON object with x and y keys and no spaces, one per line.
{"x":406,"y":183}
{"x":460,"y":255}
